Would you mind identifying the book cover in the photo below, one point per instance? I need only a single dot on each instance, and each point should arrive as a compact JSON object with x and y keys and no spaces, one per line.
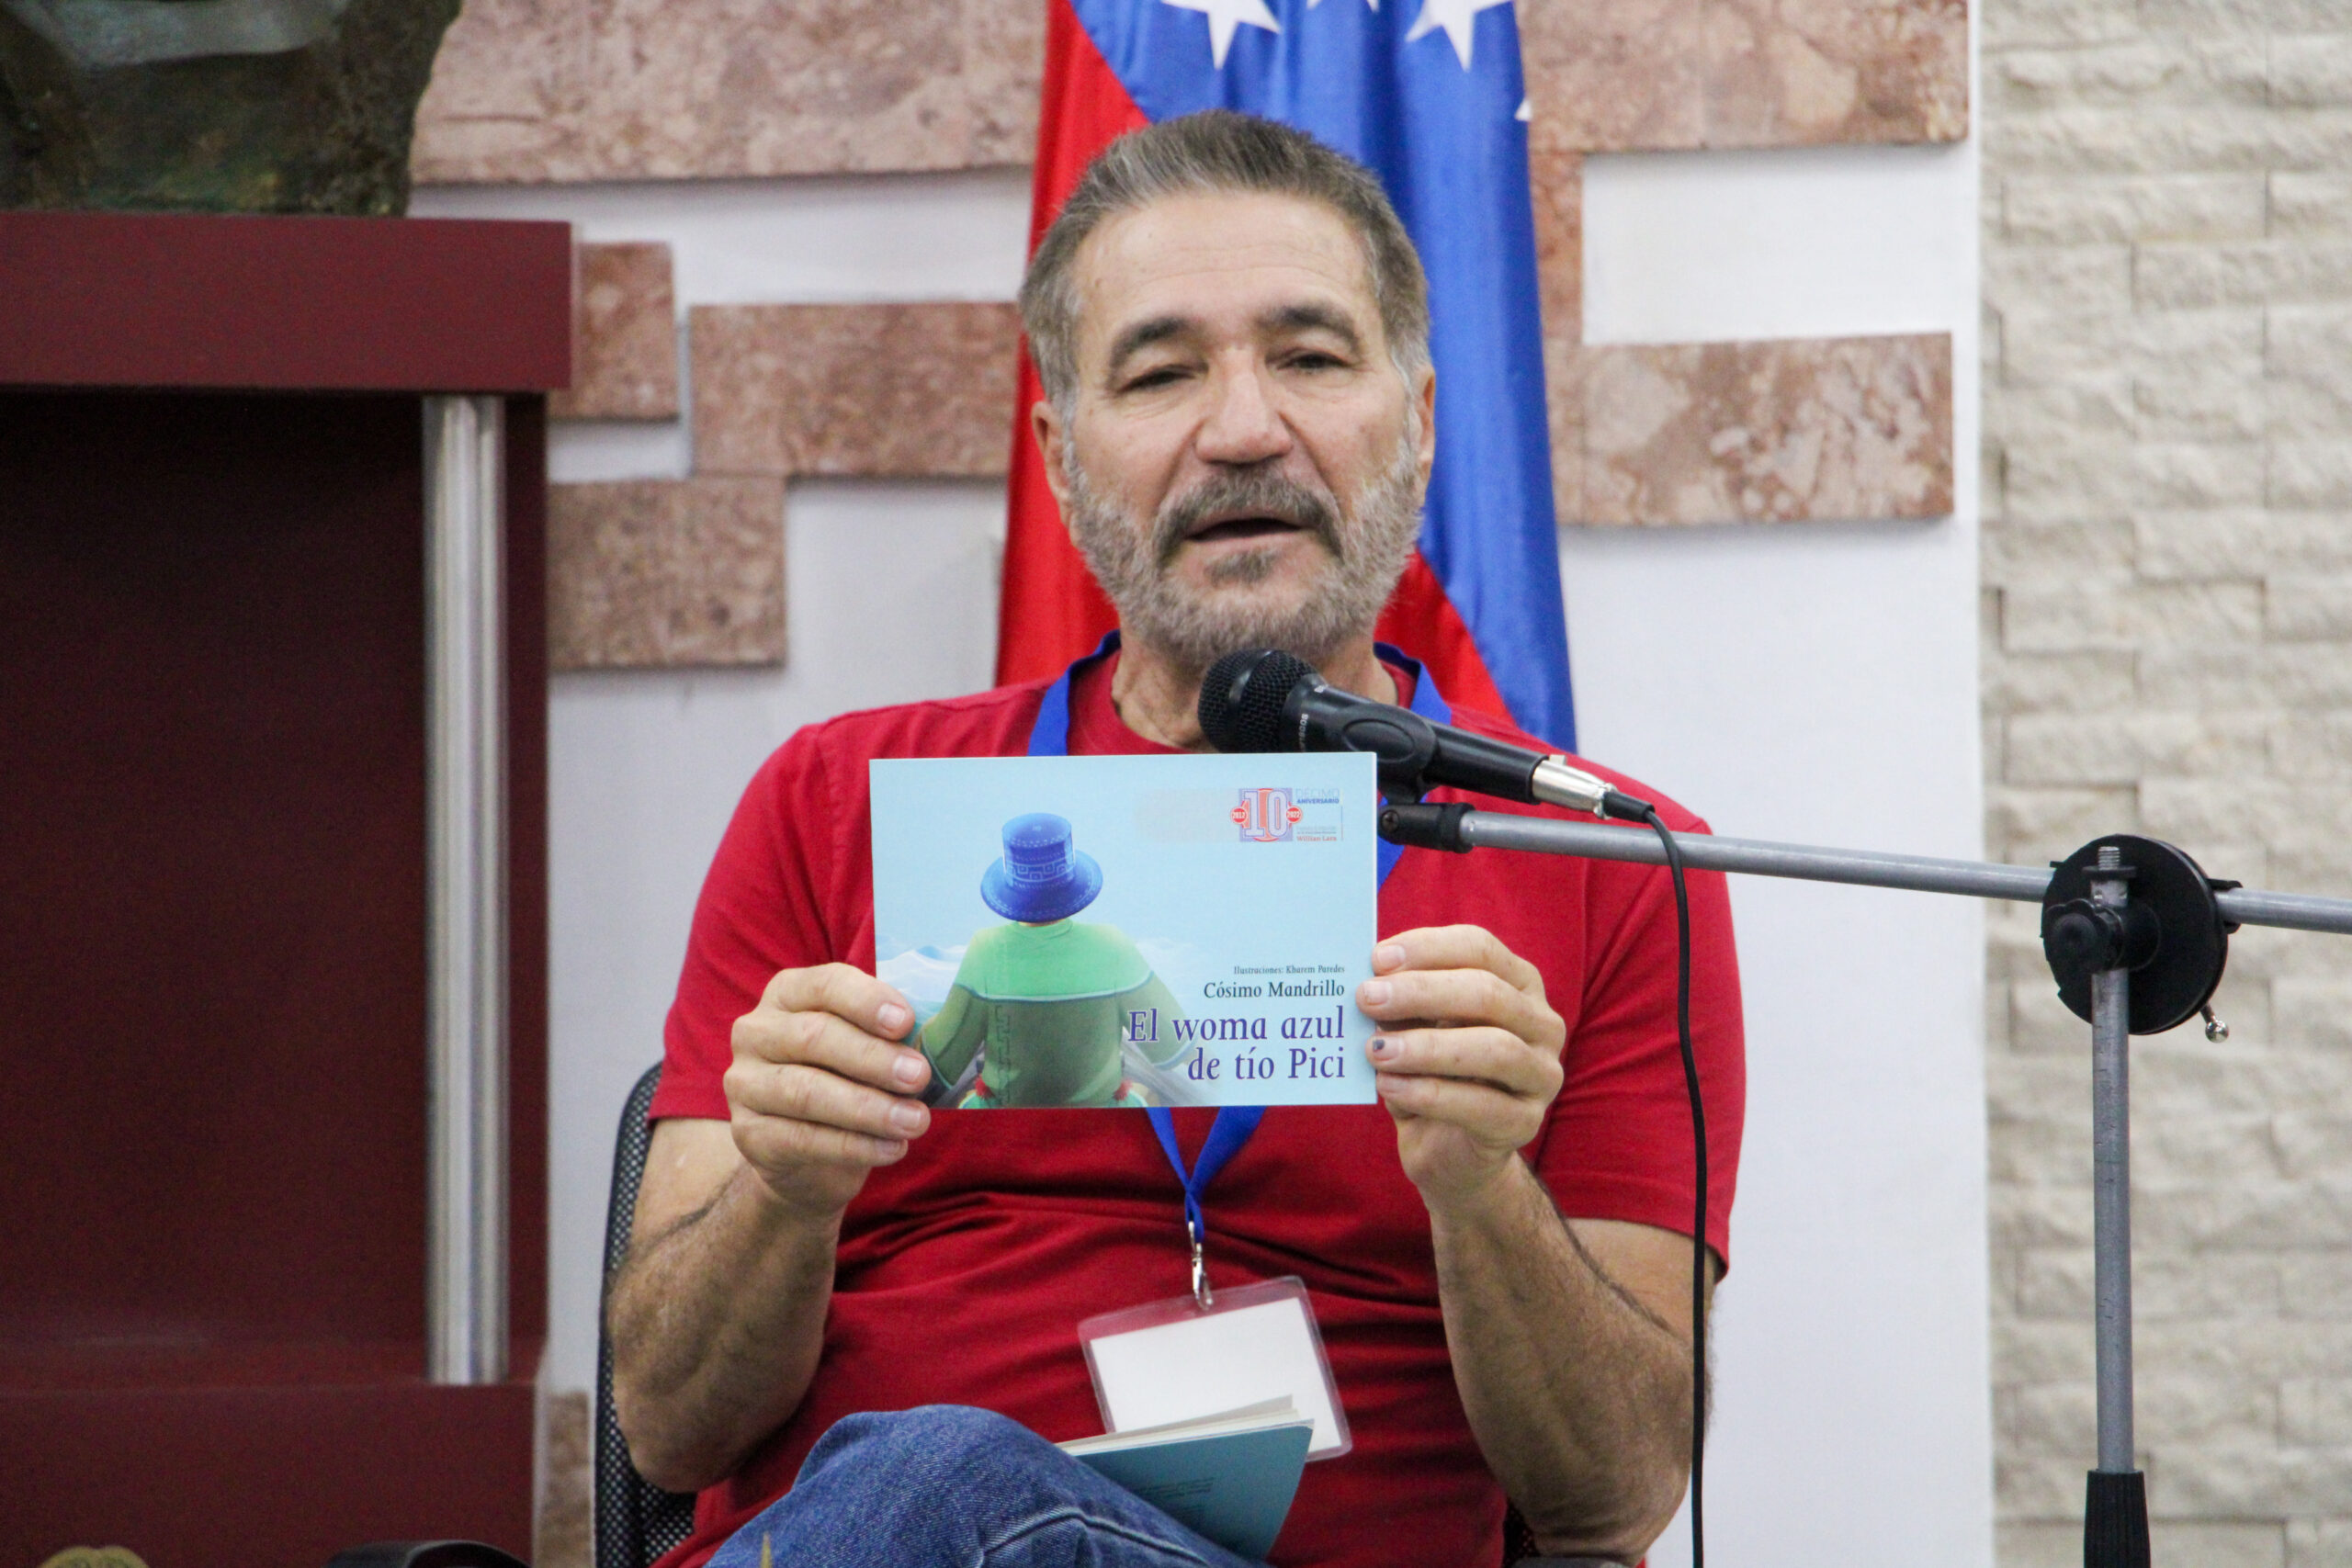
{"x":1231,"y":1480}
{"x":1131,"y":931}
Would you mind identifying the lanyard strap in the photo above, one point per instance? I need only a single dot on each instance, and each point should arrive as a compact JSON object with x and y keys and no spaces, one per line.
{"x":1232,"y":1128}
{"x":1049,"y":736}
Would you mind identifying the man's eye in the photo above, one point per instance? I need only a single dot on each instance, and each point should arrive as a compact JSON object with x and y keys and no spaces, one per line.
{"x":1166,"y":375}
{"x":1316,"y":359}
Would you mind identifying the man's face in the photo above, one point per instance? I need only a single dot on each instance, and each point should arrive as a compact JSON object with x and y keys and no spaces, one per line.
{"x":1243,"y":464}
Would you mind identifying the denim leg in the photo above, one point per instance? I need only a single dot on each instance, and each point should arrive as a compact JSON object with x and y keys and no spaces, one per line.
{"x":949,"y":1486}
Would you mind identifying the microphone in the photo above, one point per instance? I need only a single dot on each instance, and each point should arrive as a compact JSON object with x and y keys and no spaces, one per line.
{"x":1265,"y":700}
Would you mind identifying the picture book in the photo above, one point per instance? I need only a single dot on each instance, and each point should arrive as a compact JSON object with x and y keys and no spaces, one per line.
{"x":1131,"y":931}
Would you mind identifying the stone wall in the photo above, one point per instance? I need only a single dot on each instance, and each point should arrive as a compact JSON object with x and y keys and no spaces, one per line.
{"x":2168,"y":646}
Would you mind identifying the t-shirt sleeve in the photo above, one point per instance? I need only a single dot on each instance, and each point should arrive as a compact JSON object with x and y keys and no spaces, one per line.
{"x":763,"y":909}
{"x":1617,"y":1141}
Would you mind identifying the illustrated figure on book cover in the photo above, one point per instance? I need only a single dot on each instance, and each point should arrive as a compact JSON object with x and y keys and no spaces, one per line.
{"x":1042,"y":1006}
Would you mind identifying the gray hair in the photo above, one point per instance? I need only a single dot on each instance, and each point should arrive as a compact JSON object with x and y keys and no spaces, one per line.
{"x":1219,"y":150}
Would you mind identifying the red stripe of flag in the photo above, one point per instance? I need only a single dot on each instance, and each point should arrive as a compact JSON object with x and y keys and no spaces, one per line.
{"x":1051,"y":612}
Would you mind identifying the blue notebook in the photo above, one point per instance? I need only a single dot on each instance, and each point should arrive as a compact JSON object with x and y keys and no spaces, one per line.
{"x":1230,"y":1477}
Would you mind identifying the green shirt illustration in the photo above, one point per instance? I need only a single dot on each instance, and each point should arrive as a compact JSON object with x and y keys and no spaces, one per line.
{"x":1047,"y":1004}
{"x":1052,"y":1004}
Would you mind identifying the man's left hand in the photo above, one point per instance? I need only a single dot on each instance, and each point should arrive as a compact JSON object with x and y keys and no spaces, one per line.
{"x":1467,"y":1056}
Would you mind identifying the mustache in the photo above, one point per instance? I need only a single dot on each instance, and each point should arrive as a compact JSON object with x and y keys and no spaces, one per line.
{"x":1260,"y":491}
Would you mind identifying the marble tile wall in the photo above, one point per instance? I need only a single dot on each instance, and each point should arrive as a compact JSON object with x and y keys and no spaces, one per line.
{"x":624,"y":335}
{"x":1811,"y":430}
{"x":1667,"y":75}
{"x":666,"y":573}
{"x":530,"y":91}
{"x":691,"y":571}
{"x":915,"y":390}
{"x":1556,"y":180}
{"x":1798,"y":72}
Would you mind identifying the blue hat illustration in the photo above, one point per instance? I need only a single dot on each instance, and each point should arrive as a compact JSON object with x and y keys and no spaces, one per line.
{"x":1042,"y":877}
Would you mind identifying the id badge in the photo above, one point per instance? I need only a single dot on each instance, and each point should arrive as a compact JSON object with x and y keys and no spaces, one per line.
{"x":1181,"y":1360}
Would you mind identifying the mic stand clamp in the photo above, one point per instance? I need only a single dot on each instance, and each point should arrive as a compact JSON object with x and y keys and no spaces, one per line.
{"x":1418,"y":825}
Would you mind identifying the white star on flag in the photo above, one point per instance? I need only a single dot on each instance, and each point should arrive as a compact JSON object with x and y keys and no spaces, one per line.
{"x":1227,"y":15}
{"x":1456,"y":17}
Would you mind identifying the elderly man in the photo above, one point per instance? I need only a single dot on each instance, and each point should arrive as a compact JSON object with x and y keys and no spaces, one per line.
{"x":1232,"y":330}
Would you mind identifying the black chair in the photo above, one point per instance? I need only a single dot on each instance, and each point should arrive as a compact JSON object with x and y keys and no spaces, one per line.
{"x":636,"y":1520}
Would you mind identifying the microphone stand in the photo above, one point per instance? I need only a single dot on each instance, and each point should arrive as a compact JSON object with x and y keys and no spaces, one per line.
{"x":2136,"y":936}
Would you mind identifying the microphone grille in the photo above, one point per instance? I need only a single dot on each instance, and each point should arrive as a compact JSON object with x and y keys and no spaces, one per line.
{"x":1242,"y":700}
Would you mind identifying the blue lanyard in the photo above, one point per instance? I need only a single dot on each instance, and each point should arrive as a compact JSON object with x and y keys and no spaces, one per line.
{"x":1049,"y":736}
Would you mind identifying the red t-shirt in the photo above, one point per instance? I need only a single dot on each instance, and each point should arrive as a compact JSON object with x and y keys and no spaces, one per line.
{"x":965,"y":1268}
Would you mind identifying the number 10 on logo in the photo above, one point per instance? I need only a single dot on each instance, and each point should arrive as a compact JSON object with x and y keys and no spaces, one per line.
{"x":1265,"y":816}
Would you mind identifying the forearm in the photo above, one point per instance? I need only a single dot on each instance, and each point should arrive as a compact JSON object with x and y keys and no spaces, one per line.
{"x":1581,"y":1399}
{"x":716,"y":1323}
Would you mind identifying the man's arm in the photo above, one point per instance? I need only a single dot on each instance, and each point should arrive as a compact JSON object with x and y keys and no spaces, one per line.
{"x":1570,"y":1339}
{"x":717,"y":1315}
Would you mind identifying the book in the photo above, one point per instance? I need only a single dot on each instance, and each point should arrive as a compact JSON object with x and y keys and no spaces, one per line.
{"x":1229,"y":1476}
{"x":1131,"y":931}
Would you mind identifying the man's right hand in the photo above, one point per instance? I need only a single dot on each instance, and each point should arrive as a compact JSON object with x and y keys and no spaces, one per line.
{"x":821,"y":1091}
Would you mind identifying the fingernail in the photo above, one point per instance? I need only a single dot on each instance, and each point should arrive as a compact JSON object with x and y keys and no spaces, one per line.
{"x":1387,"y":956}
{"x":1373,"y":993}
{"x":906,"y":1118}
{"x":1381,"y":1046}
{"x":910,"y":1070}
{"x":894,"y":1018}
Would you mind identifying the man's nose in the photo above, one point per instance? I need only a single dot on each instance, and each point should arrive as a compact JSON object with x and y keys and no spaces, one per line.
{"x":1243,"y":425}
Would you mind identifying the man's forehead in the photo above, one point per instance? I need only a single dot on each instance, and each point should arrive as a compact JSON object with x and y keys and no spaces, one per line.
{"x":1236,"y":259}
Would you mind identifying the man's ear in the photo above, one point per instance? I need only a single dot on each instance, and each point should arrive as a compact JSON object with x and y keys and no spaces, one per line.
{"x":1046,"y":425}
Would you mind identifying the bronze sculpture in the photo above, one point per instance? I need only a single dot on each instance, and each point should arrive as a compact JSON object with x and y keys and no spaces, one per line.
{"x":213,"y":105}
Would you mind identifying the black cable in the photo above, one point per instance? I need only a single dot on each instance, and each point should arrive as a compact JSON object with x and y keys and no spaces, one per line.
{"x":1699,"y":1164}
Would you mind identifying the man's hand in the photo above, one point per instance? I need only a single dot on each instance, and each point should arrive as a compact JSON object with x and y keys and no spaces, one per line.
{"x":1467,"y":1056}
{"x":820,"y":1092}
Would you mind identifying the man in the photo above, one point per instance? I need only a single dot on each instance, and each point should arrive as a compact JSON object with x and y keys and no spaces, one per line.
{"x":1231,"y":328}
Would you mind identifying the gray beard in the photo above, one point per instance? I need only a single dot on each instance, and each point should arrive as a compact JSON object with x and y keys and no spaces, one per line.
{"x":1364,"y":557}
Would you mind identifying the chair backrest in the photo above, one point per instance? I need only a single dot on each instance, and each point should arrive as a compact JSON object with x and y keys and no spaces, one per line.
{"x":636,"y":1520}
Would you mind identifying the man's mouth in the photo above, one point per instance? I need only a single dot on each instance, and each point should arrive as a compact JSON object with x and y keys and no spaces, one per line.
{"x":1255,"y":526}
{"x":1240,"y":508}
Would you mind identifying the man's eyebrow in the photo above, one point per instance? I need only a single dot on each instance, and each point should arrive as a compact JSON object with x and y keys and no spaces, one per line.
{"x":1312,"y":317}
{"x":1134,"y":339}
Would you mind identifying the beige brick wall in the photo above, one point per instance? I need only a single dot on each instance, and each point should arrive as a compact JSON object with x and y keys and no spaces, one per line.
{"x":2169,"y":649}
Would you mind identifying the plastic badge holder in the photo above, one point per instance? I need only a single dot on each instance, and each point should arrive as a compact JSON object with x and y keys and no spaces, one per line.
{"x":1178,"y":1360}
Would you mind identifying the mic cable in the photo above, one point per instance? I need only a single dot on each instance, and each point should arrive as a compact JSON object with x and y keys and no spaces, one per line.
{"x":1266,"y":700}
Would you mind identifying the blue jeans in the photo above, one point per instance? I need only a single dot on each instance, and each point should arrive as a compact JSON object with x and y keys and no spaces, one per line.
{"x":946,"y":1484}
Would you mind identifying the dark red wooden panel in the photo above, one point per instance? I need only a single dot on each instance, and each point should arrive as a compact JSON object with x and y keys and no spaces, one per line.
{"x":263,"y":1477}
{"x":177,"y":299}
{"x":211,"y":871}
{"x":527,"y":874}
